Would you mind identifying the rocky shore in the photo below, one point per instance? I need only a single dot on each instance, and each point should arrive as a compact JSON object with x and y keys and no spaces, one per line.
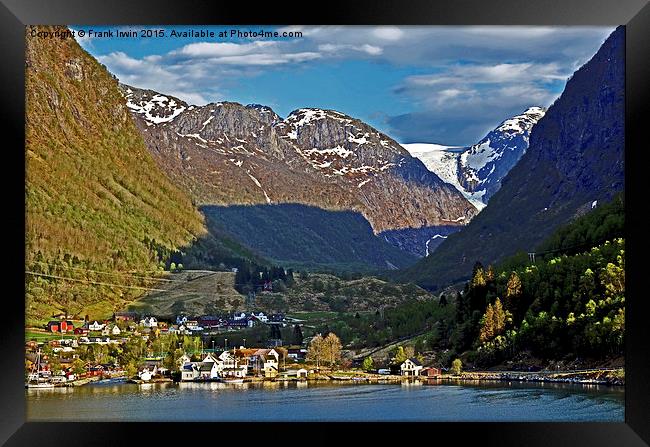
{"x":595,"y":376}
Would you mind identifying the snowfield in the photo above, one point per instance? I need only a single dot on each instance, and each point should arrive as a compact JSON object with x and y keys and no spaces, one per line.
{"x":443,"y":161}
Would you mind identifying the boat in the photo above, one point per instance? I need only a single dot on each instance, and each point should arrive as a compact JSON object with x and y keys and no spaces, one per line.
{"x":39,"y":385}
{"x":232,"y":380}
{"x":34,"y":379}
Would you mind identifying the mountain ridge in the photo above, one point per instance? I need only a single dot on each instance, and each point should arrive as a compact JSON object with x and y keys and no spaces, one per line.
{"x":574,"y":161}
{"x":314,"y":156}
{"x":476,"y":171}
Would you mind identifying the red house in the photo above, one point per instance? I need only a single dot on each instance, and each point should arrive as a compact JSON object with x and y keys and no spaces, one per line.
{"x":62,"y":326}
{"x":431,"y":372}
{"x":81,"y":331}
{"x":96,"y":370}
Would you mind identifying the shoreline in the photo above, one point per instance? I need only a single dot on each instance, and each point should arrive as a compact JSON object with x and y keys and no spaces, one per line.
{"x":595,"y":377}
{"x":611,"y":377}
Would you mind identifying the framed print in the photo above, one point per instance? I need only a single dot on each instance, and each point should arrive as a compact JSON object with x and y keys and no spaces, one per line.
{"x":402,"y":213}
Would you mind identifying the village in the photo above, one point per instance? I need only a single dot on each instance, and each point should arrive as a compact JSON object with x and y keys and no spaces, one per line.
{"x":144,"y":349}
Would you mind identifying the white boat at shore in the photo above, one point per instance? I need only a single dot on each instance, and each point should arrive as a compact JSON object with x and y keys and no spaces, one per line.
{"x":34,"y":379}
{"x":39,"y":385}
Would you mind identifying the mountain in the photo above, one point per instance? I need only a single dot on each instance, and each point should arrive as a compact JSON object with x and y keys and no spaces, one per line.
{"x":574,"y":161}
{"x":303,"y":236}
{"x":477,"y":171}
{"x":231,"y":154}
{"x":97,"y":204}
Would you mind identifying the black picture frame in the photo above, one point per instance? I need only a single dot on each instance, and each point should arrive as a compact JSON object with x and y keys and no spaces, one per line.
{"x":634,"y":14}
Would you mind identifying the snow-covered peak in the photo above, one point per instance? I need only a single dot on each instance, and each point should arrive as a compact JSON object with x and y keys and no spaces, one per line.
{"x":477,"y":171}
{"x":522,"y":123}
{"x":302,"y":117}
{"x":154,"y":107}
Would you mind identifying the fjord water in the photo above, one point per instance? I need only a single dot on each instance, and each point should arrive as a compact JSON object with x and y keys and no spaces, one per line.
{"x":274,"y":401}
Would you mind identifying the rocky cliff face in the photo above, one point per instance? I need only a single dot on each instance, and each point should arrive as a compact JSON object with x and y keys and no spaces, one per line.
{"x":575,"y":160}
{"x":227,"y":153}
{"x":482,"y":166}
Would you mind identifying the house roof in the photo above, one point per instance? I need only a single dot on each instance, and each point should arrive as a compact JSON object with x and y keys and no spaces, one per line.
{"x":247,"y":352}
{"x":206,"y":366}
{"x":415,"y":361}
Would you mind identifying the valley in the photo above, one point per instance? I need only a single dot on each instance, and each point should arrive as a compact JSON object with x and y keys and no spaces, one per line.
{"x":506,"y":253}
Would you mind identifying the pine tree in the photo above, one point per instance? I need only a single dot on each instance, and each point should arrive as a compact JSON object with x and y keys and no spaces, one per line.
{"x":487,"y":325}
{"x":513,"y":288}
{"x":297,"y":334}
{"x":499,"y":317}
{"x":478,"y":280}
{"x":489,"y":274}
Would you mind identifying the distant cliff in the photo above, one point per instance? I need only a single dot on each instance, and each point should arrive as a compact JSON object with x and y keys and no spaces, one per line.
{"x":575,"y":160}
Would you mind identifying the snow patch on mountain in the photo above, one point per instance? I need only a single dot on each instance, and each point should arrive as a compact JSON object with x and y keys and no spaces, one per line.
{"x":156,"y":108}
{"x":477,"y":171}
{"x":443,"y":161}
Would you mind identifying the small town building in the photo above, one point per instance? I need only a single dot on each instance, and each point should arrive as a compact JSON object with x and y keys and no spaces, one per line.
{"x":146,"y":374}
{"x":431,"y":372}
{"x":62,"y":326}
{"x":95,"y":326}
{"x":411,"y":367}
{"x":299,"y":373}
{"x":149,"y":322}
{"x":125,"y":316}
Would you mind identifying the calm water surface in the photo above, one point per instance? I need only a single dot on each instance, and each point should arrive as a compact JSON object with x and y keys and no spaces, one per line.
{"x":327,"y":402}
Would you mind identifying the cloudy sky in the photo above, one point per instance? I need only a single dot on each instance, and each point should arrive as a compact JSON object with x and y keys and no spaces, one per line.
{"x":439,"y":84}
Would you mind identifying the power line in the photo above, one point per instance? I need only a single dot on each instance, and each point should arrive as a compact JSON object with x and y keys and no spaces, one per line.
{"x":117,"y":285}
{"x":94,"y":282}
{"x":109,"y":273}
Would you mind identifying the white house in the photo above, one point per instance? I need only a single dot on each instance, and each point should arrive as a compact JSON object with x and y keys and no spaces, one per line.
{"x":189,"y":371}
{"x":411,"y":367}
{"x":181,"y":319}
{"x":232,"y":367}
{"x":265,"y":361}
{"x":96,"y":326}
{"x":146,"y":374}
{"x":116,"y":330}
{"x":210,"y":367}
{"x":299,"y":373}
{"x":149,"y":322}
{"x":261,"y":317}
{"x":241,"y":316}
{"x":183,"y":359}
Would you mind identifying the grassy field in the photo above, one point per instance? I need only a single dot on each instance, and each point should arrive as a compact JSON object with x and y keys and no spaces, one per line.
{"x":193,"y":292}
{"x":317,"y":315}
{"x":34,"y":335}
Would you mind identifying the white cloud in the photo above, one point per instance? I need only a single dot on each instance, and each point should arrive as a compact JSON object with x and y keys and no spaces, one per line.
{"x":221,"y":49}
{"x":388,"y":33}
{"x":483,"y":70}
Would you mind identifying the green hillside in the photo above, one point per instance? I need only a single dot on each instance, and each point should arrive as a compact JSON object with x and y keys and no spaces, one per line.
{"x":306,"y":237}
{"x":95,"y":199}
{"x":561,"y":306}
{"x":567,"y":306}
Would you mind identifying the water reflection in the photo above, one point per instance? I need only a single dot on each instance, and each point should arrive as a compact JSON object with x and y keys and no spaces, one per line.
{"x":416,"y":400}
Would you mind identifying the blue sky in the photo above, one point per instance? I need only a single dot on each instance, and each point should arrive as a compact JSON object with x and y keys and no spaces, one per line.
{"x":439,"y":84}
